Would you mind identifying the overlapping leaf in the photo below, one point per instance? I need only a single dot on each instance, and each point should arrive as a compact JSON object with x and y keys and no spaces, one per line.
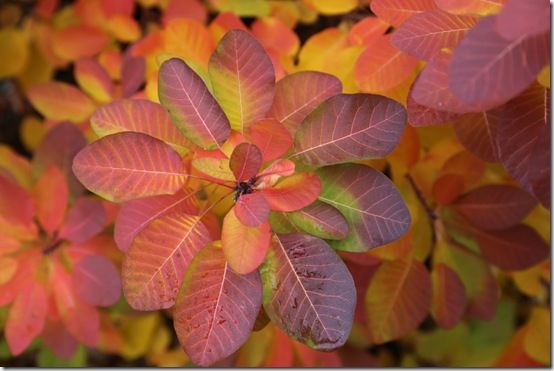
{"x":477,"y":132}
{"x":374,"y":209}
{"x":294,"y":192}
{"x":308,"y":291}
{"x":350,"y":127}
{"x":523,"y":18}
{"x":96,"y":281}
{"x":60,"y":101}
{"x":449,"y":297}
{"x":85,"y":220}
{"x":216,"y":307}
{"x":321,"y":220}
{"x":129,"y":165}
{"x":397,"y":11}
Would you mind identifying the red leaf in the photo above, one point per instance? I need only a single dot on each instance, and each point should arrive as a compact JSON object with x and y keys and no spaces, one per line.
{"x":447,"y":188}
{"x":522,"y":122}
{"x":124,"y":166}
{"x":96,"y":281}
{"x":367,"y":31}
{"x":321,"y":220}
{"x":56,"y":338}
{"x":271,"y":137}
{"x":489,"y":70}
{"x":515,"y":248}
{"x":58,"y":148}
{"x":26,"y":317}
{"x":477,"y":132}
{"x":494,"y":207}
{"x":135,"y":215}
{"x":539,"y":174}
{"x":350,"y":127}
{"x":16,"y":210}
{"x":420,"y":115}
{"x":298,"y":94}
{"x":51,"y":196}
{"x":193,"y":109}
{"x":282,"y":167}
{"x":312,"y":302}
{"x":141,"y":116}
{"x":245,"y":161}
{"x":374,"y":209}
{"x":133,"y":70}
{"x":294,"y":192}
{"x":243,"y":78}
{"x":154,"y":266}
{"x":397,"y":300}
{"x":85,"y":220}
{"x":252,"y":209}
{"x":244,"y":247}
{"x":216,"y":308}
{"x":523,"y":18}
{"x":449,"y":297}
{"x":396,"y":12}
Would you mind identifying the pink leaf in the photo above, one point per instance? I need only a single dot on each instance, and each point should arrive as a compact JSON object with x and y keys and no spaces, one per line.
{"x":154,"y":266}
{"x":245,"y":161}
{"x":96,"y":281}
{"x":124,"y":166}
{"x":193,"y":109}
{"x":271,"y":137}
{"x":298,"y":94}
{"x":487,"y":69}
{"x":16,"y":210}
{"x":216,"y":308}
{"x":308,"y":291}
{"x":133,"y":70}
{"x":396,"y":12}
{"x":85,"y":220}
{"x":135,"y":215}
{"x":56,"y":338}
{"x":252,"y":209}
{"x":51,"y":196}
{"x":294,"y":192}
{"x":420,"y":115}
{"x":350,"y":127}
{"x":523,"y":18}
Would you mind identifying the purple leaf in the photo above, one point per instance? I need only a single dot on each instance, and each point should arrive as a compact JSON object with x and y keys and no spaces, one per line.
{"x":96,"y":281}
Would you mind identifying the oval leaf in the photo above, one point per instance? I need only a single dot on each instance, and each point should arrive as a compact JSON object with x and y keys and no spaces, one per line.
{"x":154,"y":266}
{"x":135,"y":215}
{"x":350,"y":127}
{"x":94,"y":79}
{"x":449,"y":297}
{"x":244,"y":247}
{"x":51,"y":196}
{"x":243,"y":78}
{"x":85,"y":220}
{"x":294,"y":192}
{"x":374,"y":209}
{"x":141,"y":116}
{"x":308,"y":291}
{"x":252,"y":209}
{"x":271,"y":137}
{"x":397,"y":299}
{"x":477,"y":132}
{"x":96,"y":281}
{"x":193,"y":109}
{"x":298,"y":94}
{"x":321,"y":220}
{"x":216,"y":308}
{"x":129,"y":165}
{"x":245,"y":161}
{"x":60,"y":101}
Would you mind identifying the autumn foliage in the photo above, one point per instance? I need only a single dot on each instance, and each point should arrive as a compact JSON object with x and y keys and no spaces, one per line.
{"x":275,"y":184}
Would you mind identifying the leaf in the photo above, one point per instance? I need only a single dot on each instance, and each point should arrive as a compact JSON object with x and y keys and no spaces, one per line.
{"x":141,"y":116}
{"x":59,"y":147}
{"x":537,"y":339}
{"x":333,"y":8}
{"x":154,"y":266}
{"x":245,"y":161}
{"x":193,"y":109}
{"x":487,"y":69}
{"x":308,"y":291}
{"x":244,"y":247}
{"x":449,"y":297}
{"x":94,"y":80}
{"x":523,"y":18}
{"x":85,"y":220}
{"x":420,"y":115}
{"x":14,"y":43}
{"x":216,"y":168}
{"x":396,"y":12}
{"x":382,"y":66}
{"x":136,"y":215}
{"x":271,"y":137}
{"x":51,"y":196}
{"x":274,"y":34}
{"x":128,"y":165}
{"x":216,"y":308}
{"x":251,"y":209}
{"x":477,"y":132}
{"x":516,"y":144}
{"x":476,"y":7}
{"x":298,"y":94}
{"x":60,"y":101}
{"x":374,"y":209}
{"x":16,"y":211}
{"x":26,"y":317}
{"x":350,"y":127}
{"x":58,"y":339}
{"x":8,"y":266}
{"x":243,"y":79}
{"x":294,"y":192}
{"x":321,"y":220}
{"x":132,"y":75}
{"x":367,"y":30}
{"x":425,"y":34}
{"x":74,"y":42}
{"x":495,"y":207}
{"x":397,"y":299}
{"x":96,"y":281}
{"x":539,"y":174}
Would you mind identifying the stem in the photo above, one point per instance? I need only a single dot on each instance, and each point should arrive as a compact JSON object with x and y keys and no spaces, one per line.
{"x":210,"y":180}
{"x":430,"y":212}
{"x":52,"y":247}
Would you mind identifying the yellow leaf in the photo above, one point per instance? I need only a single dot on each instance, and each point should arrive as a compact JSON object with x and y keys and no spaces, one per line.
{"x":250,"y":8}
{"x":137,"y":333}
{"x":32,"y":132}
{"x":544,"y":77}
{"x":334,"y":7}
{"x":14,"y":47}
{"x":16,"y":165}
{"x":529,"y":281}
{"x":537,"y":338}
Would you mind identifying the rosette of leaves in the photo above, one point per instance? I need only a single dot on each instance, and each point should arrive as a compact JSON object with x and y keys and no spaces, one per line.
{"x":278,"y":154}
{"x":55,"y":266}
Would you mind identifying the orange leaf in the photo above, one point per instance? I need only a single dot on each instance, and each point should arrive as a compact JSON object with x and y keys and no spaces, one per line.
{"x":60,"y":101}
{"x":75,"y":42}
{"x":51,"y":196}
{"x":294,"y":192}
